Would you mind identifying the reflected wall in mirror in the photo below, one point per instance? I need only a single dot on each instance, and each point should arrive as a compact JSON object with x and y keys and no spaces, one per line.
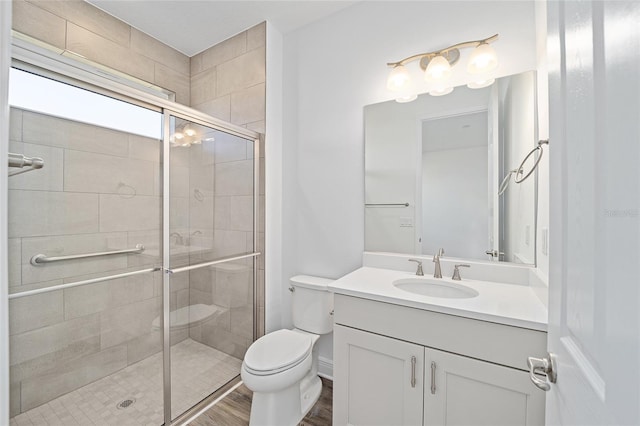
{"x":434,"y":167}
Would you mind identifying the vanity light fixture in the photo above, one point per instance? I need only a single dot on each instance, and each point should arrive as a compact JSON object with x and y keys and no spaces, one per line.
{"x":437,"y":66}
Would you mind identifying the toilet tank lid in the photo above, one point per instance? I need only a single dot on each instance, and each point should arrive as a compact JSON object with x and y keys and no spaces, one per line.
{"x":307,"y":281}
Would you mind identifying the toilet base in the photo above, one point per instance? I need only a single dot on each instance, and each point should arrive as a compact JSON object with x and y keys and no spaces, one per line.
{"x":286,"y":407}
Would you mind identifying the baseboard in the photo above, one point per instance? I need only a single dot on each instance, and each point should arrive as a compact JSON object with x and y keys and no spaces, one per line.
{"x":325,"y":368}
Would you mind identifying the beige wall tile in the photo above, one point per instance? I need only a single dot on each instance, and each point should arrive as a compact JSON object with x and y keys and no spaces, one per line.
{"x":48,"y":178}
{"x":52,"y":339}
{"x":32,"y":312}
{"x":218,"y":108}
{"x":124,"y":323}
{"x":64,"y":245}
{"x":222,"y":212}
{"x":201,"y":213}
{"x":235,"y":178}
{"x":143,"y":347}
{"x":196,"y":64}
{"x":242,"y":322}
{"x":203,"y":86}
{"x":106,"y":52}
{"x":14,"y":256}
{"x":241,"y":213}
{"x":227,"y":243}
{"x":129,"y":214}
{"x":34,"y":213}
{"x":90,"y":172}
{"x":14,"y":399}
{"x":179,"y":214}
{"x":225,"y":51}
{"x":15,"y":124}
{"x":179,"y":177}
{"x":52,"y":131}
{"x":174,"y":81}
{"x":242,"y":72}
{"x":84,"y":300}
{"x":229,"y":148}
{"x":89,"y":17}
{"x":260,"y":127}
{"x":71,"y":376}
{"x":151,"y":48}
{"x":36,"y":22}
{"x":248,"y":105}
{"x":257,"y":36}
{"x":143,"y":148}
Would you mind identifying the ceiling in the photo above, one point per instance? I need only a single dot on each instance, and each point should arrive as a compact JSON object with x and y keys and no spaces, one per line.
{"x":455,"y":132}
{"x":192,"y":26}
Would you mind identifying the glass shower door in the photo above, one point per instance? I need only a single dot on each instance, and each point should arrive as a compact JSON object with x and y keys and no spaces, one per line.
{"x":84,"y":258}
{"x":209,"y":249}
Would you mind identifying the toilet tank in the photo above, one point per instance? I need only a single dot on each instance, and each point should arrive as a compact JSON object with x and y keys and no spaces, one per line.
{"x":312,"y":304}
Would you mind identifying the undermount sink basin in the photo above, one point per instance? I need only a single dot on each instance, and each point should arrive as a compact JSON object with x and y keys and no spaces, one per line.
{"x":435,"y":288}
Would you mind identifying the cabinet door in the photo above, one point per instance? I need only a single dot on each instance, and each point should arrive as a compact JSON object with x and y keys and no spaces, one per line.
{"x":373,"y":379}
{"x":465,"y":391}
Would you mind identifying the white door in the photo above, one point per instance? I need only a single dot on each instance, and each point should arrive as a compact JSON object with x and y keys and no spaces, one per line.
{"x":594,"y":301}
{"x":464,"y":391}
{"x":380,"y":380}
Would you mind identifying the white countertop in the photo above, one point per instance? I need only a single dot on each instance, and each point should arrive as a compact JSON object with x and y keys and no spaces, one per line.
{"x":510,"y":304}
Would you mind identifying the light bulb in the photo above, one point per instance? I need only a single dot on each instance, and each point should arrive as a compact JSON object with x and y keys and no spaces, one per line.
{"x":483,"y":59}
{"x":479,"y":84}
{"x":398,"y":78}
{"x":178,"y":135}
{"x":189,"y":132}
{"x":438,"y":69}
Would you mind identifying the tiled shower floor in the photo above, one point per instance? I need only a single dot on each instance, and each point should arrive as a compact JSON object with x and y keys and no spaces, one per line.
{"x":197,"y":370}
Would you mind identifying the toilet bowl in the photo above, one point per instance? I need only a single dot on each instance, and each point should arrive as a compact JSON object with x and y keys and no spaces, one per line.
{"x":281,"y":368}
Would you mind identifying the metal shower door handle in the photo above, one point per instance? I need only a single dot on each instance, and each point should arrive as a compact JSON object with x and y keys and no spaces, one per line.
{"x":545,"y":367}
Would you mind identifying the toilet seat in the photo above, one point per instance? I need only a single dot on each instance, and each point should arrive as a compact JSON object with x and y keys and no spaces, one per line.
{"x":277,"y":352}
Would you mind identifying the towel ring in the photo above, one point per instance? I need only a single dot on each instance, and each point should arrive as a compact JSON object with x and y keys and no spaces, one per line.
{"x":519,"y":169}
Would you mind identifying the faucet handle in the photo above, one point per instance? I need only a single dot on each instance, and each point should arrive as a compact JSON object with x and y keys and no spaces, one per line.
{"x":419,"y":272}
{"x":456,"y":271}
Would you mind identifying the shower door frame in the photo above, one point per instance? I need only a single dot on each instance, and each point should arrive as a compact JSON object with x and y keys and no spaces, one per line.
{"x":52,"y":64}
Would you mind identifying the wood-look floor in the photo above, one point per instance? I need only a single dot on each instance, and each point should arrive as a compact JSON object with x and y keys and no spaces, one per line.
{"x":234,"y":409}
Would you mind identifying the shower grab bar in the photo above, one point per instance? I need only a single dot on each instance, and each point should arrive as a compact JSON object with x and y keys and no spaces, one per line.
{"x":80,"y":283}
{"x":386,"y":204}
{"x":20,"y":161}
{"x":40,"y":259}
{"x":215,"y":262}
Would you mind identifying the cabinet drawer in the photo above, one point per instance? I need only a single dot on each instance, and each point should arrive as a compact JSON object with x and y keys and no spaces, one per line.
{"x":497,"y":343}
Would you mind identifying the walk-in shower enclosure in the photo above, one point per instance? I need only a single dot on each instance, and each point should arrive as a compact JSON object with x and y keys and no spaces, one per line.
{"x":132,"y":250}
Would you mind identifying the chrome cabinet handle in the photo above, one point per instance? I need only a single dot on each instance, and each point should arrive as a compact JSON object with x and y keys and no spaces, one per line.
{"x":433,"y":377}
{"x":413,"y":371}
{"x":543,"y":366}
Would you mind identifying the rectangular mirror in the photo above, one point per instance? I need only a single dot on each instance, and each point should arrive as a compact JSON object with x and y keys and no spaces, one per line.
{"x":434,"y":169}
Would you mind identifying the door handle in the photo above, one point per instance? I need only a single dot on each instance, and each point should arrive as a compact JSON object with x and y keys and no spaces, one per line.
{"x":413,"y":371}
{"x":543,"y":366}
{"x":433,"y":377}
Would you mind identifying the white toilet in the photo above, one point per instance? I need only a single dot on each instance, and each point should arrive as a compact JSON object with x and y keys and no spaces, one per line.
{"x":281,"y":368}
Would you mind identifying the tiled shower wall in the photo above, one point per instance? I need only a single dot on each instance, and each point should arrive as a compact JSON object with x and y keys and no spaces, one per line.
{"x":78,"y":27}
{"x":99,"y":191}
{"x":228,"y":82}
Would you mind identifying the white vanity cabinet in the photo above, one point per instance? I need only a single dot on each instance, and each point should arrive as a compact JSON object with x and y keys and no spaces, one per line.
{"x":383,"y":375}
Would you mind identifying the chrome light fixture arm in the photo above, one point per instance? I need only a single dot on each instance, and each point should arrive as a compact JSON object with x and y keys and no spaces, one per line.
{"x":445,"y":51}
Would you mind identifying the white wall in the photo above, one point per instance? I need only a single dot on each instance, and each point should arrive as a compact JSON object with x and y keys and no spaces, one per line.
{"x":273,"y":181}
{"x":517,"y":109}
{"x":333,"y":68}
{"x":456,"y":200}
{"x":5,"y":61}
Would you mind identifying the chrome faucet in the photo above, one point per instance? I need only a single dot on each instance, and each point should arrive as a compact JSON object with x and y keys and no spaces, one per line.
{"x":419,"y":272}
{"x":456,"y":271}
{"x":437,"y":273}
